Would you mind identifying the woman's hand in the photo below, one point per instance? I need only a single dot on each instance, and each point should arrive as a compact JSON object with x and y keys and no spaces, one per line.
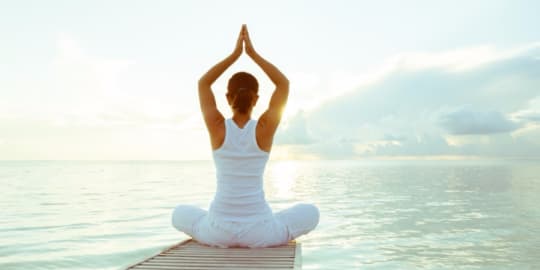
{"x":239,"y":48}
{"x":247,"y":42}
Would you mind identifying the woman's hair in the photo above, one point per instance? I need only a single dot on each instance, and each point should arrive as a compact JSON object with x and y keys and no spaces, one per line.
{"x":242,"y":89}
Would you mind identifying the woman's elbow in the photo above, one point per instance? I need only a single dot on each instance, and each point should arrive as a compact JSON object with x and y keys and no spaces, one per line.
{"x":284,"y":83}
{"x":203,"y":82}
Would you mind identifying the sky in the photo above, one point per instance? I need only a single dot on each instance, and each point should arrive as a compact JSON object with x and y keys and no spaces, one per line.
{"x":116,"y":80}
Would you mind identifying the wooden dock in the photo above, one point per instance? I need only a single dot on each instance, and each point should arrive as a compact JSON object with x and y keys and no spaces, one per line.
{"x":192,"y":255}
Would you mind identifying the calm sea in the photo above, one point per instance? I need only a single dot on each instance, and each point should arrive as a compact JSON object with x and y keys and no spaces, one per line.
{"x":380,"y":215}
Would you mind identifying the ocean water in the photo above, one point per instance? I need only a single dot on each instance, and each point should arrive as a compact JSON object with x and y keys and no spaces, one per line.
{"x":374,"y":214}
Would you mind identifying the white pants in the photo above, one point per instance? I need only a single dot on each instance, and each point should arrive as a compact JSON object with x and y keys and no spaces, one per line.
{"x":285,"y":225}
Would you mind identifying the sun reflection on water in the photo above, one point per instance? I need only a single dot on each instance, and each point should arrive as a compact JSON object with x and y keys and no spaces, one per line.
{"x":282,"y":176}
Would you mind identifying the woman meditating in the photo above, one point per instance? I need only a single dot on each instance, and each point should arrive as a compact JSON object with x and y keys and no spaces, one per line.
{"x":239,"y":215}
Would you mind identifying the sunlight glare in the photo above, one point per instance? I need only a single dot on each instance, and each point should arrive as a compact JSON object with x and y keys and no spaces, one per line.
{"x":284,"y":174}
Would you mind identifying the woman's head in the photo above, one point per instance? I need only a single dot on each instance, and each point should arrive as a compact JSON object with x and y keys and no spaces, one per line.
{"x":242,"y":92}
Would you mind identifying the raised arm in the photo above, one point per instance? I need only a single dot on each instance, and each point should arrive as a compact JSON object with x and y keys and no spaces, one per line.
{"x":270,"y":119}
{"x":212,"y":117}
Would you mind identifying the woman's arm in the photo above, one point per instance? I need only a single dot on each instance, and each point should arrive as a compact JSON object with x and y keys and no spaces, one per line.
{"x":270,"y":119}
{"x":212,"y":117}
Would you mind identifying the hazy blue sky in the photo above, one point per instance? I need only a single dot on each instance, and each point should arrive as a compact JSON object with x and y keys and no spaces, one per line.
{"x":383,"y":79}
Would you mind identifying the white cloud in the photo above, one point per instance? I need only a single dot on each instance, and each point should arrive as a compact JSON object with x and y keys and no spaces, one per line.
{"x":463,"y":121}
{"x":428,"y":103}
{"x":531,"y":113}
{"x":81,"y":88}
{"x":458,"y":60}
{"x":85,"y":106}
{"x":294,"y":131}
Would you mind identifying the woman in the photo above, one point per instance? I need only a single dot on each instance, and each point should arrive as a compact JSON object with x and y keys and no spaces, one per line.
{"x":239,"y":214}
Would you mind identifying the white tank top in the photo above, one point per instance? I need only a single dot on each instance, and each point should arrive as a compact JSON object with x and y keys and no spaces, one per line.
{"x":240,"y":166}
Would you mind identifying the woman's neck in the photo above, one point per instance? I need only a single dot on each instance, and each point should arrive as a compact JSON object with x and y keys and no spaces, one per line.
{"x":241,"y":119}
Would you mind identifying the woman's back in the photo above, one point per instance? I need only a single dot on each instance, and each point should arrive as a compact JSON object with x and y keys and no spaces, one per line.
{"x":240,"y":167}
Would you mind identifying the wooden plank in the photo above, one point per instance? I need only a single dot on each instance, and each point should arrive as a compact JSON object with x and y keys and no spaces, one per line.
{"x":198,"y":268}
{"x":234,"y":254}
{"x":298,"y":257}
{"x":188,"y":260}
{"x":198,"y":259}
{"x":191,"y":255}
{"x":163,"y":251}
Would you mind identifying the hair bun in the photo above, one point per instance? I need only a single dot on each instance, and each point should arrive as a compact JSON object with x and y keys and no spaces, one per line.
{"x":242,"y":88}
